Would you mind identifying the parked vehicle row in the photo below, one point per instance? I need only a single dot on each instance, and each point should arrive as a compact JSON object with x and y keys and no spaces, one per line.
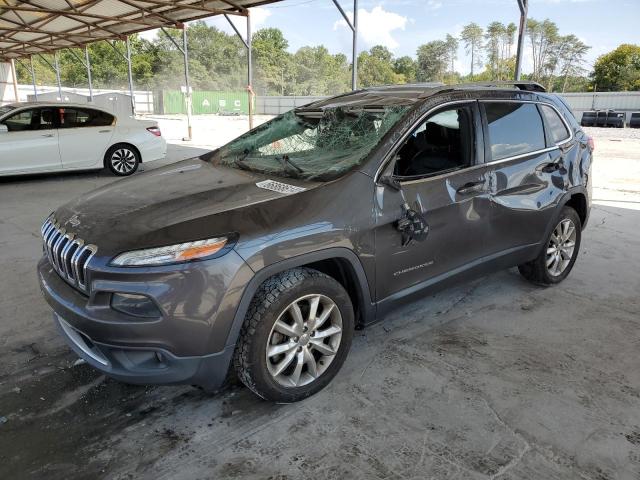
{"x":264,"y":255}
{"x":48,"y":137}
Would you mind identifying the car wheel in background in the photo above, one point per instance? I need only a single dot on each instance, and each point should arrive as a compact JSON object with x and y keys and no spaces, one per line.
{"x":559,"y":254}
{"x":296,"y":335}
{"x":122,"y":160}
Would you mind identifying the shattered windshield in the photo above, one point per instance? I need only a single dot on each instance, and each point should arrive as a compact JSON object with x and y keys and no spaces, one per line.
{"x":312,"y":144}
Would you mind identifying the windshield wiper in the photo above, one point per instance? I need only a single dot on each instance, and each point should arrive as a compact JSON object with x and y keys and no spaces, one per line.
{"x":286,"y":161}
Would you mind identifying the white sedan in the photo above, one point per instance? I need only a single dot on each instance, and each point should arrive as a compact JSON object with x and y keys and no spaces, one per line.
{"x":49,"y":137}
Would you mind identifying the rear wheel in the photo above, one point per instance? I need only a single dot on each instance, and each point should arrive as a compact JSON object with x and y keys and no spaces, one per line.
{"x":122,"y":160}
{"x":556,"y":260}
{"x":296,"y":335}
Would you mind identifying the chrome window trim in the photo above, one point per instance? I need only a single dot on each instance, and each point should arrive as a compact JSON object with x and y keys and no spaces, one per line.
{"x":387,"y":158}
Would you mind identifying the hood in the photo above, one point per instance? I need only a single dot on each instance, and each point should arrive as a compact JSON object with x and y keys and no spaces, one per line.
{"x":185,"y":201}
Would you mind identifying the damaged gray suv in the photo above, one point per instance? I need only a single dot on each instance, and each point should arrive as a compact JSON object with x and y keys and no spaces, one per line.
{"x":262,"y":257}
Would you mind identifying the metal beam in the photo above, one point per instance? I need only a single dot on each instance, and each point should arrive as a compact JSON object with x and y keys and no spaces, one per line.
{"x":57,"y":69}
{"x":249,"y":71}
{"x":33,"y":78}
{"x":88,"y":65}
{"x":14,"y":77}
{"x":524,"y":8}
{"x":184,"y":49}
{"x":246,"y":45}
{"x":133,"y":99}
{"x":353,"y":25}
{"x":354,"y":69}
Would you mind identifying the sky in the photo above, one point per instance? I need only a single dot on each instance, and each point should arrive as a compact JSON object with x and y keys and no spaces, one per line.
{"x":403,"y":25}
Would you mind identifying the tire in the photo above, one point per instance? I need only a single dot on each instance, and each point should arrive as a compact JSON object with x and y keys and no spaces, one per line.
{"x":122,"y":159}
{"x":260,"y":336}
{"x":544,"y":270}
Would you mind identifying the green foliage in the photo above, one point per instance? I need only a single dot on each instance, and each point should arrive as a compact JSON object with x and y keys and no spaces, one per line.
{"x":433,"y":59}
{"x":217,"y":61}
{"x":618,"y":69}
{"x":376,"y":67}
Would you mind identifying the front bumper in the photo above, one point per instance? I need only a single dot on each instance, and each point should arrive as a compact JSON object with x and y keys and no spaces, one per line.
{"x":147,"y":366}
{"x":189,"y":343}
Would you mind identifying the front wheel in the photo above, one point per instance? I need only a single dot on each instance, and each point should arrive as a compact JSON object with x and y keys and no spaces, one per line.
{"x":122,"y":160}
{"x":557,"y":258}
{"x":296,"y":335}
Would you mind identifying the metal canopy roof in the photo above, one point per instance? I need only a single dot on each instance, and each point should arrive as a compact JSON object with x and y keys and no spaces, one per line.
{"x":38,"y":26}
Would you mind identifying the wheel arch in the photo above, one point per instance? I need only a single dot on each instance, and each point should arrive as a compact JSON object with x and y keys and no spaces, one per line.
{"x":339,"y":263}
{"x":118,"y":144}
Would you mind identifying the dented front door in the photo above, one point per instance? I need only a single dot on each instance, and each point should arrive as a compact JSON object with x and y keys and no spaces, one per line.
{"x":457,"y":208}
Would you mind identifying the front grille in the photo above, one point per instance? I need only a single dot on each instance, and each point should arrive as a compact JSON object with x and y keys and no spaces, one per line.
{"x":68,"y":255}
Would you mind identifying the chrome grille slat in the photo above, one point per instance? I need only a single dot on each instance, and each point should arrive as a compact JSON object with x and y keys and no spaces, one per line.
{"x":68,"y":255}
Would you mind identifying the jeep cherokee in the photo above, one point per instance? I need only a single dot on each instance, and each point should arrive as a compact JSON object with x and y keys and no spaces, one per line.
{"x":263,"y":256}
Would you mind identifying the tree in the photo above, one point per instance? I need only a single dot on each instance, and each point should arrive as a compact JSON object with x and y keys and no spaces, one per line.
{"x":471,"y":36}
{"x":375,"y":67}
{"x":618,"y":70}
{"x":570,"y":52}
{"x":272,"y":59}
{"x":407,"y":67}
{"x":494,"y":36}
{"x":432,"y":61}
{"x":452,"y":51}
{"x":543,"y":37}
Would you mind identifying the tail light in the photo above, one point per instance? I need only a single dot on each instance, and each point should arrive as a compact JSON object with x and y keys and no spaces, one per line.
{"x":591,"y":143}
{"x":155,"y":131}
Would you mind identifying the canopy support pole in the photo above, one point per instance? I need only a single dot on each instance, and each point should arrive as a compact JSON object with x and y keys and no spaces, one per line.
{"x":247,"y":44}
{"x":185,"y":55}
{"x":33,"y":78}
{"x":130,"y":73}
{"x":88,"y":65}
{"x":524,"y":8}
{"x":249,"y":71}
{"x":15,"y":80}
{"x":57,"y":69}
{"x":354,"y":44}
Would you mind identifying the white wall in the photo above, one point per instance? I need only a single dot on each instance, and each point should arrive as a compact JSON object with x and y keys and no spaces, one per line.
{"x":7,"y":94}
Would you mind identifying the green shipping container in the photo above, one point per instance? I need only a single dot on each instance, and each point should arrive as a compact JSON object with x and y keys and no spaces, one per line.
{"x":206,"y":102}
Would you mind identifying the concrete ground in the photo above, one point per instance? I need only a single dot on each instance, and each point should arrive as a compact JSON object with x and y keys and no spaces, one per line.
{"x":495,"y":378}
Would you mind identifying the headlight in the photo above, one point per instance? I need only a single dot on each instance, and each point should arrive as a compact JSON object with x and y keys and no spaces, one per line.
{"x":180,"y":253}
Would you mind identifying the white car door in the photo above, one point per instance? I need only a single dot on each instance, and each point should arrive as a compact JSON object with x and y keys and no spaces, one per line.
{"x":84,"y":135}
{"x":29,"y":142}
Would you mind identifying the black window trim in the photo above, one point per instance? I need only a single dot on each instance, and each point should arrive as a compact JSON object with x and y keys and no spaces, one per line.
{"x":85,"y":109}
{"x":27,"y":108}
{"x":478,"y":160}
{"x":485,"y":127}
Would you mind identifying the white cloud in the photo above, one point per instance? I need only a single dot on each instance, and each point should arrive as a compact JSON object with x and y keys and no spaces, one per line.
{"x":375,"y":27}
{"x":434,"y":5}
{"x":149,"y":34}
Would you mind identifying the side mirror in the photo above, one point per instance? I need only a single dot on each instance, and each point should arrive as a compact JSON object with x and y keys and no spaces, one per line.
{"x":391,"y":182}
{"x":3,"y":128}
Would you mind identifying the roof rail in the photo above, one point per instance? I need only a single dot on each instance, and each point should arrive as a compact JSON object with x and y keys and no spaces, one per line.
{"x":521,"y":85}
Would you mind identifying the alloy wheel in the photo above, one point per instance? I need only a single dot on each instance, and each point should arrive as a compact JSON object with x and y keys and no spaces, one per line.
{"x":123,"y":160}
{"x":304,"y":340}
{"x":561,"y":246}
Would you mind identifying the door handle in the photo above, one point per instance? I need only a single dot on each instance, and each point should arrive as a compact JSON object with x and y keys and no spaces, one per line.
{"x":104,"y":131}
{"x":552,"y":167}
{"x":471,"y":187}
{"x":47,"y":135}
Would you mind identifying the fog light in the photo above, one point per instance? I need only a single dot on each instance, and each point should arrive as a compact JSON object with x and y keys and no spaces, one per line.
{"x":135,"y":305}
